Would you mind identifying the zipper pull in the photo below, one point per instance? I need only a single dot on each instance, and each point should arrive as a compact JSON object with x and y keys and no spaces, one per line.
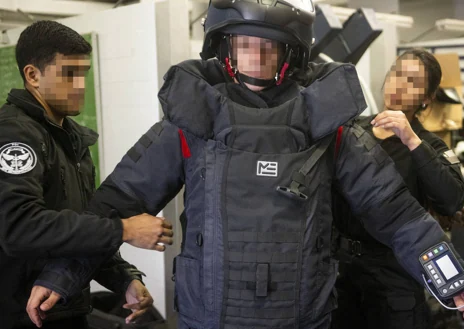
{"x":78,"y":167}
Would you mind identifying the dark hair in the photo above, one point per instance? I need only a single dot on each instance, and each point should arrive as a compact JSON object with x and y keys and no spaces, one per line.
{"x":432,"y":68}
{"x":39,"y":43}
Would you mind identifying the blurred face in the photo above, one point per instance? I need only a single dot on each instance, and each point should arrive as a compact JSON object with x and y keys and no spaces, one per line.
{"x":62,"y":83}
{"x":406,"y":85}
{"x":256,"y":57}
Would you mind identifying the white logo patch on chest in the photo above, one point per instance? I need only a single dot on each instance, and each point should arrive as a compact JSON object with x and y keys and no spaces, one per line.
{"x":265,"y":168}
{"x":17,"y":158}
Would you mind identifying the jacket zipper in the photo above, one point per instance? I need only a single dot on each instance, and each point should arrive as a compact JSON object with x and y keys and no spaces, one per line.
{"x":63,"y":182}
{"x":78,"y":168}
{"x":216,"y":211}
{"x":79,"y":181}
{"x":78,"y":174}
{"x":218,"y":216}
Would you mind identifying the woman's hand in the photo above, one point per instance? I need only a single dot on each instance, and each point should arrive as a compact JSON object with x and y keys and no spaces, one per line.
{"x":397,"y":122}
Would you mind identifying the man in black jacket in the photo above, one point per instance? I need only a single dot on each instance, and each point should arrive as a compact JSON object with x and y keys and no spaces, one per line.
{"x":46,"y":180}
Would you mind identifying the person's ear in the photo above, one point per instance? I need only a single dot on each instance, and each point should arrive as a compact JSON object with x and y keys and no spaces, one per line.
{"x":426,"y":102}
{"x":32,"y":75}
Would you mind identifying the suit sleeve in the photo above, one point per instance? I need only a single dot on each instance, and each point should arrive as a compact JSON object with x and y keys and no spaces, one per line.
{"x":68,"y":276}
{"x":377,"y":195}
{"x":27,"y":227}
{"x":147,"y":178}
{"x":440,"y":175}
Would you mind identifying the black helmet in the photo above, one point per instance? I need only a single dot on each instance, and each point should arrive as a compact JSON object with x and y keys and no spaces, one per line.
{"x":286,"y":21}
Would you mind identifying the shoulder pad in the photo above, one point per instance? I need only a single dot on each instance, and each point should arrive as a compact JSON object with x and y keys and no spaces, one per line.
{"x":333,"y":99}
{"x":188,"y":99}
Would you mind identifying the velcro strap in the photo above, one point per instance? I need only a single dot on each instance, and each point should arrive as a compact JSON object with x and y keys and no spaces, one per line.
{"x":262,"y":280}
{"x":157,"y":128}
{"x":358,"y":131}
{"x":282,"y":237}
{"x":133,"y":154}
{"x":263,"y":257}
{"x":145,"y":141}
{"x":368,"y":142}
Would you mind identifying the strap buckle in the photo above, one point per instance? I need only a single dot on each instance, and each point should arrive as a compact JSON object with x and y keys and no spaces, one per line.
{"x":292,"y":192}
{"x":355,"y":247}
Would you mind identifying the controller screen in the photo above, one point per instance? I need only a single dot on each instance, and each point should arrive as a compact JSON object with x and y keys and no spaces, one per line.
{"x":447,"y":267}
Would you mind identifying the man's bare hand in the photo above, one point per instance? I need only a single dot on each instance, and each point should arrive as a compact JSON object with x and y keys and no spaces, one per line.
{"x":147,"y":232}
{"x":138,"y":300}
{"x":41,"y":300}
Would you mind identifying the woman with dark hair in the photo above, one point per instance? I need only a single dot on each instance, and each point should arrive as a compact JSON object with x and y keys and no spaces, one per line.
{"x":374,"y":291}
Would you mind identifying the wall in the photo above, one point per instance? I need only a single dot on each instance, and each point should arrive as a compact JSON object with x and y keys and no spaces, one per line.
{"x":172,"y":27}
{"x":390,"y":6}
{"x":383,"y":54}
{"x":130,"y":78}
{"x":425,"y":13}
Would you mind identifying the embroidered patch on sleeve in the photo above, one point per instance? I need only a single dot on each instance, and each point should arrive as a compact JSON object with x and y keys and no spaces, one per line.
{"x":17,"y":158}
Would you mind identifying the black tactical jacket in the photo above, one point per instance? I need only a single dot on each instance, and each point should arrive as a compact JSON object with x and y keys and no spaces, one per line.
{"x":47,"y":177}
{"x":431,"y":175}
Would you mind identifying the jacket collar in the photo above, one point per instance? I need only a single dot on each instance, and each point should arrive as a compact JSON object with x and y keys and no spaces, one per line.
{"x":29,"y":104}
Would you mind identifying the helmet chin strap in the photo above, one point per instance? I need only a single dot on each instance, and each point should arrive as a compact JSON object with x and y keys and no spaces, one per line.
{"x":244,"y":79}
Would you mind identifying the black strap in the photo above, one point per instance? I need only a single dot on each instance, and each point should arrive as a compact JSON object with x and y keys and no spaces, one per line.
{"x":145,"y":141}
{"x":353,"y":247}
{"x":247,"y":294}
{"x":254,"y":81}
{"x":358,"y":248}
{"x":250,"y":276}
{"x":263,"y":257}
{"x":299,"y":177}
{"x":133,"y":154}
{"x":157,"y":128}
{"x":277,"y":237}
{"x":244,"y":312}
{"x":367,"y":140}
{"x":369,"y":143}
{"x":320,"y":149}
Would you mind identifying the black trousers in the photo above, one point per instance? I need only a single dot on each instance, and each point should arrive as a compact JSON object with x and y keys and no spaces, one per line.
{"x":71,"y":323}
{"x":374,"y":292}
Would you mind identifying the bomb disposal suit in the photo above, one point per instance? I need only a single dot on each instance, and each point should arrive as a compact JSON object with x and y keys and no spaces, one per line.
{"x":258,"y":171}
